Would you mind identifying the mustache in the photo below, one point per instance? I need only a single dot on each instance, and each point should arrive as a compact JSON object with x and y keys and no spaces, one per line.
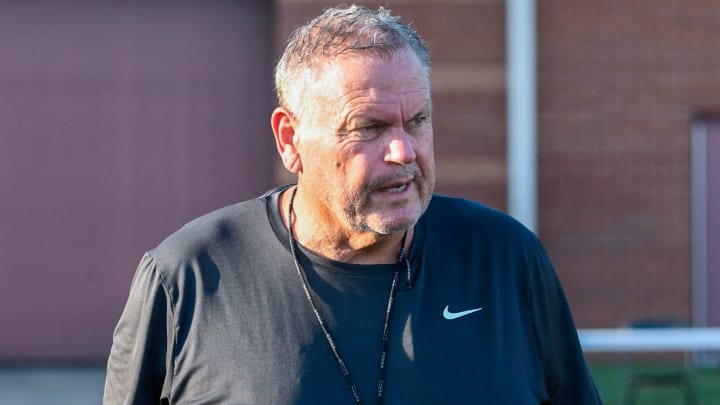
{"x":402,"y":174}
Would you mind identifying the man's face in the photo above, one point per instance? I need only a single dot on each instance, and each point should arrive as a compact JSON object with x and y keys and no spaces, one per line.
{"x":366,"y":143}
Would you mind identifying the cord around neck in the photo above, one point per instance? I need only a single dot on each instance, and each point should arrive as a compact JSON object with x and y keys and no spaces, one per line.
{"x":328,"y":337}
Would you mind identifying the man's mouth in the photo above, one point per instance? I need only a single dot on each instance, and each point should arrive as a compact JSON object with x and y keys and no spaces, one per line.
{"x":395,"y":187}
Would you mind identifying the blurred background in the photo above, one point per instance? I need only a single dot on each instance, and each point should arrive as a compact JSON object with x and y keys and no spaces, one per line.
{"x":121,"y":121}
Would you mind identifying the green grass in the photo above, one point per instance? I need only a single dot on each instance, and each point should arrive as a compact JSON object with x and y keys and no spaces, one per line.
{"x":612,"y":382}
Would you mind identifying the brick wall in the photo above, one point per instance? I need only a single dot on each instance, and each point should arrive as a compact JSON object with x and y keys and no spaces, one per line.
{"x":619,"y":85}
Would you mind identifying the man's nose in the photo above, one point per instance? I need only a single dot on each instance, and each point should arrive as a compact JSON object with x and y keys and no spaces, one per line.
{"x":400,"y":148}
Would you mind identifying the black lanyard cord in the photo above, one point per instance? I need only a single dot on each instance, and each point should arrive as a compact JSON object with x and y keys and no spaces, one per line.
{"x":402,"y":260}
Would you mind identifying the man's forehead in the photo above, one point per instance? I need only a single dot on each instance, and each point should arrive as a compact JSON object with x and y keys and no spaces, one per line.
{"x":370,"y":57}
{"x":357,"y":69}
{"x":341,"y":81}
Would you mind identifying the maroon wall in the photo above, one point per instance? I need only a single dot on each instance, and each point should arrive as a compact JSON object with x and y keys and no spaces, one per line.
{"x":118,"y":123}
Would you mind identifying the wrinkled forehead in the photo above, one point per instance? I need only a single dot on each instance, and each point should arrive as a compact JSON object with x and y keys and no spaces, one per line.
{"x":359,"y":65}
{"x":359,"y":70}
{"x":365,"y":76}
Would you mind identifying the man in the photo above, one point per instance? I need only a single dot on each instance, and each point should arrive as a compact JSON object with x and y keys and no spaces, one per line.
{"x":357,"y":284}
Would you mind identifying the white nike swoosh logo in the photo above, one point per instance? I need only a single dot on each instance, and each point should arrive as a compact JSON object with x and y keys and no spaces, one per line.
{"x":455,"y":315}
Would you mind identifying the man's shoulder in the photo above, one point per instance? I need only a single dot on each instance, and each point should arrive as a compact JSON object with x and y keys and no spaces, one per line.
{"x":212,"y":232}
{"x":461,"y":209}
{"x":468,"y":216}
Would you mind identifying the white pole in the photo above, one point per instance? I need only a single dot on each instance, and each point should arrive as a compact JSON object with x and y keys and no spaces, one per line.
{"x":522,"y":111}
{"x":698,"y":153}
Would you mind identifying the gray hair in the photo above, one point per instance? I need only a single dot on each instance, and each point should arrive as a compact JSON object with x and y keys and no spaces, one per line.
{"x":340,"y":30}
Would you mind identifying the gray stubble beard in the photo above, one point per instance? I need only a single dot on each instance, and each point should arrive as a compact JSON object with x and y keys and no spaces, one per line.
{"x":359,"y":223}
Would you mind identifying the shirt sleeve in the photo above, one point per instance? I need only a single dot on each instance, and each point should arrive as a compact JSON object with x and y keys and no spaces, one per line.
{"x":138,"y":362}
{"x":567,"y":378}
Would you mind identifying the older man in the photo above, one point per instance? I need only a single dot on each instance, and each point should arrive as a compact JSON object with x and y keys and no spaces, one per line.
{"x":356,"y":284}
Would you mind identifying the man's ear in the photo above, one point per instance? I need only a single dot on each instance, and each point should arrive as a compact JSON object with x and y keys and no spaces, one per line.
{"x":284,"y":127}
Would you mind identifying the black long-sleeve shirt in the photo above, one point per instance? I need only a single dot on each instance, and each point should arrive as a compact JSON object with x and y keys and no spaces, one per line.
{"x":217,"y":314}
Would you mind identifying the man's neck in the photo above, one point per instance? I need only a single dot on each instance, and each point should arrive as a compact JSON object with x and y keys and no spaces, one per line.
{"x":337,"y":243}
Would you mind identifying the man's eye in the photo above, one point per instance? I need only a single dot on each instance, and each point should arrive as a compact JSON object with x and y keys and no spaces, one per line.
{"x":416,"y":124}
{"x":368,"y":132}
{"x":419,"y":120}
